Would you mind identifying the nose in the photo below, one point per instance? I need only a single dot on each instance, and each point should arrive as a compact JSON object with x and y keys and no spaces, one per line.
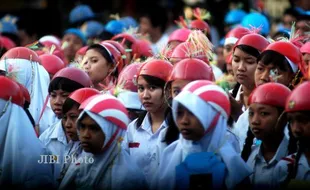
{"x":146,"y":94}
{"x":85,"y":133}
{"x":255,"y":120}
{"x":86,"y":66}
{"x":265,"y":76}
{"x":296,"y":128}
{"x":241,"y":66}
{"x":185,"y":119}
{"x":68,"y":124}
{"x":58,"y":100}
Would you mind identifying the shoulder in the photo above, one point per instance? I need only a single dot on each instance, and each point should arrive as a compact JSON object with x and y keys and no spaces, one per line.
{"x":45,"y":136}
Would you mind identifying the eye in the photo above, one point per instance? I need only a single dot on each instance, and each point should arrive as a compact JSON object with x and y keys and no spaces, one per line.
{"x":260,"y":68}
{"x":53,"y":95}
{"x":65,"y":95}
{"x":264,"y":113}
{"x":236,"y":59}
{"x":251,"y":113}
{"x":153,"y":87}
{"x":140,"y":88}
{"x":176,"y":92}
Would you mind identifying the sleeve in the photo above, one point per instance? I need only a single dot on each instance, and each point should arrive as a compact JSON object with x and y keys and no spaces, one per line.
{"x":128,"y":137}
{"x":280,"y":173}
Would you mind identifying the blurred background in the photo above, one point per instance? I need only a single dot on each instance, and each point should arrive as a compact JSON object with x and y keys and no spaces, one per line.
{"x":52,"y":16}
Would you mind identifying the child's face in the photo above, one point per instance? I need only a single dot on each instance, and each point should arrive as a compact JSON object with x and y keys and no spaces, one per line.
{"x":69,"y":123}
{"x":188,"y":124}
{"x":74,"y":44}
{"x":263,"y":120}
{"x":300,"y":124}
{"x":306,"y":61}
{"x":91,"y":135}
{"x":57,"y":99}
{"x":151,"y":96}
{"x":270,"y":73}
{"x":177,"y":86}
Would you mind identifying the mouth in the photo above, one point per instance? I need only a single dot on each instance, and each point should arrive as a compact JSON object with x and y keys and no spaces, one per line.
{"x":256,"y":131}
{"x":241,"y":76}
{"x":147,"y":104}
{"x":185,"y":132}
{"x":58,"y":111}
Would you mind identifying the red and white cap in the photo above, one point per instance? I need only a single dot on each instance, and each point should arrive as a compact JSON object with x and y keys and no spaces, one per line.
{"x":299,"y":99}
{"x":108,"y":107}
{"x":235,"y":34}
{"x":289,"y":51}
{"x":273,"y":94}
{"x":80,"y":95}
{"x":191,"y":69}
{"x":200,"y":95}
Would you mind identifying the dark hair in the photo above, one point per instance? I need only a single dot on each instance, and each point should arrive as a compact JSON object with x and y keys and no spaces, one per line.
{"x":277,"y":59}
{"x":247,"y":148}
{"x":30,"y":117}
{"x":249,"y":50}
{"x":68,"y":105}
{"x":64,"y":84}
{"x":158,"y":16}
{"x":172,"y":133}
{"x":155,"y":82}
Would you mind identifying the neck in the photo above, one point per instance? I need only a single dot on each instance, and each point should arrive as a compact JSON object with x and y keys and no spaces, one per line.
{"x":157,"y":119}
{"x":270,"y":146}
{"x":245,"y":94}
{"x":156,"y":36}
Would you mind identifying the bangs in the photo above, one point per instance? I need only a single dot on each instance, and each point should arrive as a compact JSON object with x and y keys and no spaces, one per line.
{"x":68,"y":105}
{"x":249,"y":50}
{"x":64,"y":84}
{"x":278,"y":60}
{"x":154,"y":81}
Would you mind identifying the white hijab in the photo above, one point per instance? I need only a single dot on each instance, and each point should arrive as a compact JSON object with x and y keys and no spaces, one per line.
{"x":106,"y":172}
{"x":214,"y":141}
{"x":34,"y":77}
{"x":20,"y":151}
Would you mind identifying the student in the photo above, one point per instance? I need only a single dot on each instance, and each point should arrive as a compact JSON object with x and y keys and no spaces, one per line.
{"x":142,"y":139}
{"x":64,"y":82}
{"x":23,"y":65}
{"x":267,"y":124}
{"x":294,"y":169}
{"x":127,"y":91}
{"x":202,"y":157}
{"x":70,"y":111}
{"x":21,"y":150}
{"x":102,"y":62}
{"x":305,"y":50}
{"x":277,"y":63}
{"x":101,"y":126}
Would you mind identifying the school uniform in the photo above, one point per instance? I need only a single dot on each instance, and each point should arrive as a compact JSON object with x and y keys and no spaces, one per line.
{"x":21,"y":152}
{"x":48,"y":117}
{"x":262,"y":170}
{"x":282,"y":168}
{"x":144,"y":146}
{"x":54,"y":138}
{"x":111,"y":169}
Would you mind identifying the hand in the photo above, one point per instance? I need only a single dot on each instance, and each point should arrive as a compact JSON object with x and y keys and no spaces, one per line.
{"x":235,"y":107}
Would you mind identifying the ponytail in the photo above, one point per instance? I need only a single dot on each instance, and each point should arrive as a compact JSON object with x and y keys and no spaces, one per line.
{"x":247,"y":148}
{"x":172,"y":133}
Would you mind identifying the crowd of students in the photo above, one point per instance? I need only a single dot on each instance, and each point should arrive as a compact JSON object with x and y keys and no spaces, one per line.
{"x":124,"y":111}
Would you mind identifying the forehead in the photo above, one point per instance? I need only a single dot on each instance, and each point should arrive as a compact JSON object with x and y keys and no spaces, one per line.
{"x":238,"y":52}
{"x":259,"y":106}
{"x":86,"y":120}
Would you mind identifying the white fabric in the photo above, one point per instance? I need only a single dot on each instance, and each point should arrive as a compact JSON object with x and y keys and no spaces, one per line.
{"x":281,"y":170}
{"x":50,"y":38}
{"x":34,"y":77}
{"x":230,"y":40}
{"x":130,"y":100}
{"x":54,"y":138}
{"x":218,"y":73}
{"x":262,"y":169}
{"x":111,"y":169}
{"x":214,"y":141}
{"x":161,"y":43}
{"x":293,"y":65}
{"x":147,"y":155}
{"x":48,"y":119}
{"x":20,"y":151}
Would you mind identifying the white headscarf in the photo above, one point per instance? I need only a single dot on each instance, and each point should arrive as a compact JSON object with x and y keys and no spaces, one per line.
{"x":34,"y":77}
{"x":20,"y":151}
{"x":105,"y":172}
{"x":215,"y":141}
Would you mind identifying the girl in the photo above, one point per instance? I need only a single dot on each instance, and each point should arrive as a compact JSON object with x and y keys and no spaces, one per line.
{"x":20,"y":148}
{"x":64,"y":82}
{"x":23,"y":65}
{"x":266,"y":106}
{"x":244,"y":62}
{"x":202,"y":157}
{"x":296,"y":166}
{"x":101,"y":126}
{"x":70,"y":114}
{"x":142,"y":139}
{"x":72,"y":40}
{"x":102,"y":62}
{"x":305,"y":50}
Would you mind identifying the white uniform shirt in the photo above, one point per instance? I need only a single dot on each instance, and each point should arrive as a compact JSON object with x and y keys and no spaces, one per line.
{"x":48,"y":118}
{"x":54,"y":138}
{"x":144,"y":146}
{"x":262,"y":171}
{"x":281,"y":171}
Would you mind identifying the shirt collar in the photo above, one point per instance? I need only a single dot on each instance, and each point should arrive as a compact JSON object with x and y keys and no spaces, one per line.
{"x":146,"y":124}
{"x":58,"y":133}
{"x":281,"y":151}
